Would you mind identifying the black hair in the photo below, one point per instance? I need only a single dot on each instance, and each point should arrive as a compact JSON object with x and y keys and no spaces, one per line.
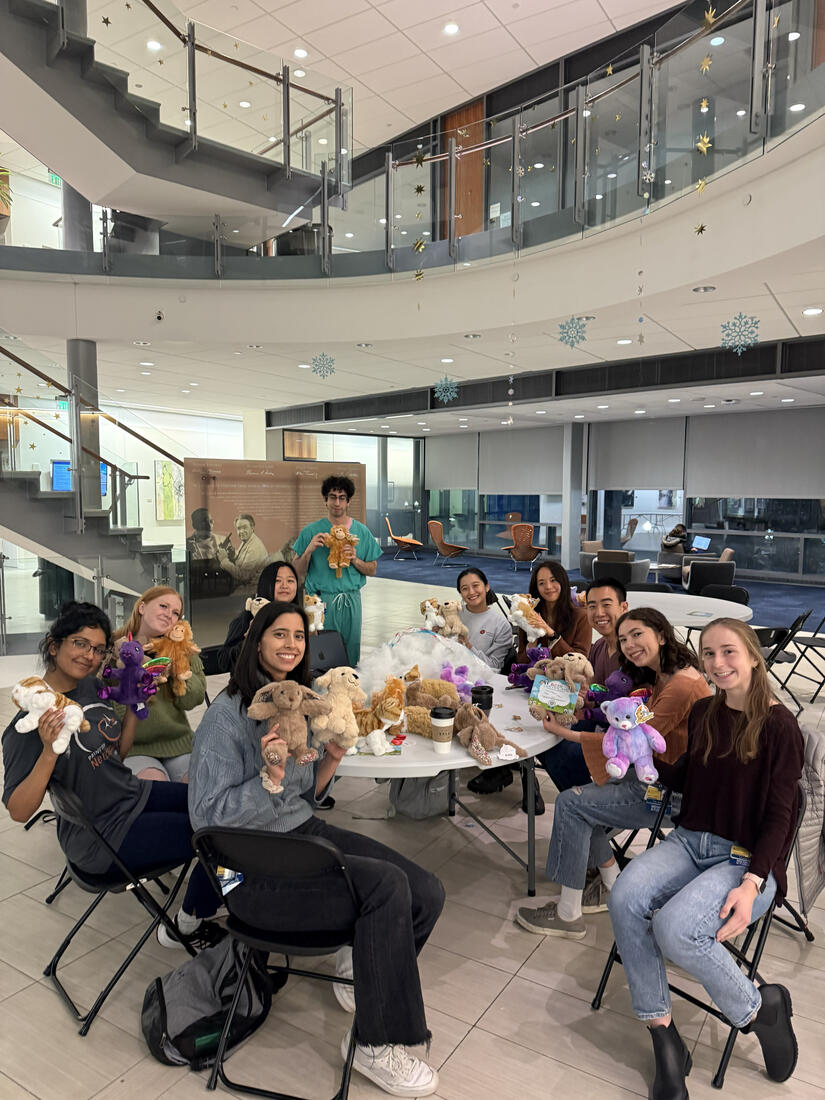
{"x":609,"y":582}
{"x":248,"y":675}
{"x":200,"y":519}
{"x":673,"y":654}
{"x":247,"y":517}
{"x":338,"y":483}
{"x":266,"y":581}
{"x":563,"y":613}
{"x":473,"y":571}
{"x":71,"y":619}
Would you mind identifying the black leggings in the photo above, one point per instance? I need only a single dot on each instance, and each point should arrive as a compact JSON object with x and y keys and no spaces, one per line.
{"x":163,"y":833}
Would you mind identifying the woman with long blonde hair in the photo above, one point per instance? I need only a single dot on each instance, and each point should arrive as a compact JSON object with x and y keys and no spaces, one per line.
{"x":722,"y":865}
{"x":163,"y":741}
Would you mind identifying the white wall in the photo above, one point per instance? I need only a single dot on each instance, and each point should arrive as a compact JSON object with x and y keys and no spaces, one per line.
{"x":35,"y":206}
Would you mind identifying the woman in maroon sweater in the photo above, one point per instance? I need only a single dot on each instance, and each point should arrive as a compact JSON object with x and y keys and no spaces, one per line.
{"x":719,"y":869}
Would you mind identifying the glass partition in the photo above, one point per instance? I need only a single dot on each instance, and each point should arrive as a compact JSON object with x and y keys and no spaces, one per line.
{"x":796,"y":58}
{"x":634,"y":519}
{"x":457,"y":511}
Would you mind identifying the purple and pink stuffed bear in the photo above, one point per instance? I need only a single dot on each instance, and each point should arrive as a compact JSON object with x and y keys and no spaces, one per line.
{"x":458,"y":676}
{"x":629,"y":740}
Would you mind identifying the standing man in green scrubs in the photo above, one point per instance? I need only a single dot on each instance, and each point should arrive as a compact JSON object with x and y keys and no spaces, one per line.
{"x":342,"y":595}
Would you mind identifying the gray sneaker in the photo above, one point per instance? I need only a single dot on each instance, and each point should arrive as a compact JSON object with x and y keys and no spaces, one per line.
{"x":594,"y":898}
{"x":545,"y":921}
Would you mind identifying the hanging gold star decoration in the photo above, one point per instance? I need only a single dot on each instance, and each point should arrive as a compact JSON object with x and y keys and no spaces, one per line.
{"x":106,"y":21}
{"x":160,"y":61}
{"x":609,"y":70}
{"x":705,"y":64}
{"x":419,"y":189}
{"x":128,"y":7}
{"x":618,"y":116}
{"x":32,"y":447}
{"x":418,"y":246}
{"x":572,"y":141}
{"x":224,"y":106}
{"x":703,"y":144}
{"x":237,"y":45}
{"x":251,"y":83}
{"x":48,"y":385}
{"x":19,"y":389}
{"x":710,"y":18}
{"x":704,"y":104}
{"x":462,"y":131}
{"x":419,"y":159}
{"x":699,"y":229}
{"x":57,"y":416}
{"x":265,"y":117}
{"x":486,"y":162}
{"x":419,"y":275}
{"x":418,"y":216}
{"x":701,"y":185}
{"x":775,"y":22}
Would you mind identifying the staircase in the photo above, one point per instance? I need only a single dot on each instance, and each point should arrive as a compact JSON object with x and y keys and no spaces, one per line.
{"x":77,"y":115}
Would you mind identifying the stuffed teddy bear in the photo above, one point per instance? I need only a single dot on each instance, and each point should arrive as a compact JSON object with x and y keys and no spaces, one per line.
{"x":523,"y":615}
{"x":288,"y":704}
{"x":572,"y":668}
{"x":385,"y":712}
{"x":453,"y":626}
{"x":178,"y":645}
{"x":458,"y":676}
{"x":315,"y":608}
{"x":478,"y":735}
{"x":432,"y":693}
{"x":344,"y":694}
{"x":254,"y":604}
{"x":35,"y":696}
{"x":629,"y":740}
{"x":518,"y":672}
{"x":433,"y":620}
{"x":133,"y":684}
{"x":335,"y":540}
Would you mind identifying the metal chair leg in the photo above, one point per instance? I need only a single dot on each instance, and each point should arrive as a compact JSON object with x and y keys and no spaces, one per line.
{"x":612,"y":958}
{"x":60,"y":885}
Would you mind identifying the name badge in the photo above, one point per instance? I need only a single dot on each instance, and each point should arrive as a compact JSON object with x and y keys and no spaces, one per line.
{"x":739,"y":856}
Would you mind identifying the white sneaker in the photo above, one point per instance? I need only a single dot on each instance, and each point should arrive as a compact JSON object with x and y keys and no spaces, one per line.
{"x":393,"y":1069}
{"x":344,"y":994}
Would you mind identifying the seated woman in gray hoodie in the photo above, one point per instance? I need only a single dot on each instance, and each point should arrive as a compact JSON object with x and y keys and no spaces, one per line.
{"x":399,"y":902}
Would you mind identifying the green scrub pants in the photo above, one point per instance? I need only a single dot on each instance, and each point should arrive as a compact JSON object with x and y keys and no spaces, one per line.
{"x":344,"y":615}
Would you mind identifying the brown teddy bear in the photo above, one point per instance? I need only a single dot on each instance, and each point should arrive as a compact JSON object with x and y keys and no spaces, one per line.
{"x":343,"y":694}
{"x":573,"y":668}
{"x":335,"y":540}
{"x":288,"y":704}
{"x":478,"y":735}
{"x":178,"y":646}
{"x":432,"y":693}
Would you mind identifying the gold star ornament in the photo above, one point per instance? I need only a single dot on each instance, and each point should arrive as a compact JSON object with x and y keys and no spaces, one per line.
{"x":618,"y":116}
{"x":710,"y":18}
{"x":609,"y":70}
{"x":699,"y":229}
{"x":419,"y":189}
{"x":419,"y":275}
{"x":701,"y":185}
{"x":419,"y":159}
{"x":418,"y":246}
{"x":705,"y":64}
{"x":106,"y":21}
{"x":703,"y":105}
{"x":703,"y":144}
{"x":775,"y":22}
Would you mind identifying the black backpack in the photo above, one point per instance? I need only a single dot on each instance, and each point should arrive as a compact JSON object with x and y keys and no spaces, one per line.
{"x":184,"y":1011}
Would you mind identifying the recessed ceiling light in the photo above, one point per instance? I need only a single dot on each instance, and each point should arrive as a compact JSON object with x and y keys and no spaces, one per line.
{"x":541,"y":412}
{"x":811,"y":311}
{"x":673,"y":400}
{"x":741,"y":112}
{"x":421,"y":423}
{"x":718,"y":40}
{"x":668,"y":181}
{"x":343,"y":150}
{"x":708,"y":406}
{"x":472,"y":335}
{"x":146,"y":372}
{"x":447,"y":360}
{"x":236,"y":230}
{"x":425,"y":429}
{"x":322,"y":141}
{"x":254,"y":347}
{"x":793,"y":35}
{"x":535,"y":204}
{"x":393,"y":433}
{"x":350,"y":235}
{"x":299,"y":73}
{"x":586,"y":113}
{"x":403,"y":232}
{"x":611,"y":175}
{"x":460,"y":418}
{"x":153,"y":45}
{"x":425,"y":233}
{"x":244,"y":103}
{"x":42,"y":385}
{"x":703,"y":289}
{"x":146,"y":363}
{"x":271,"y":139}
{"x":116,"y":391}
{"x":194,"y":383}
{"x":304,"y":366}
{"x":504,"y":422}
{"x":450,"y":28}
{"x":383,"y":425}
{"x":398,"y":217}
{"x":184,"y":391}
{"x":579,"y":416}
{"x":363,"y":345}
{"x":639,"y":412}
{"x":756,"y":393}
{"x":539,"y":164}
{"x":787,"y":400}
{"x":599,"y":197}
{"x":352,"y":429}
{"x":188,"y":123}
{"x":797,"y":107}
{"x":464,"y":425}
{"x":466,"y":263}
{"x":624,"y":341}
{"x":300,"y":53}
{"x":382,"y":221}
{"x":587,"y":317}
{"x":142,"y":343}
{"x":602,"y":406}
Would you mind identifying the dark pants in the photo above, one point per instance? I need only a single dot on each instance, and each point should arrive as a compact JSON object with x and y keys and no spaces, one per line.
{"x":162,"y":833}
{"x":398,"y":905}
{"x":565,"y":765}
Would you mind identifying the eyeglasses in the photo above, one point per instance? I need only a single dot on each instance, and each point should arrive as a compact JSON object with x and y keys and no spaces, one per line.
{"x":80,"y":644}
{"x":337,"y":496}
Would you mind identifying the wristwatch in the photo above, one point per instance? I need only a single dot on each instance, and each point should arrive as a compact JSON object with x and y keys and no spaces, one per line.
{"x":759,"y":883}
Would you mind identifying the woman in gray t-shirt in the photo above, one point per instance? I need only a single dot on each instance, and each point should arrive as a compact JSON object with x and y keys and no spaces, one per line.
{"x":491,"y":635}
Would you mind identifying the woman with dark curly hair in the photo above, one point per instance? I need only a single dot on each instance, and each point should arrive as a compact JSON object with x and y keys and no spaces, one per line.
{"x":651,"y":654}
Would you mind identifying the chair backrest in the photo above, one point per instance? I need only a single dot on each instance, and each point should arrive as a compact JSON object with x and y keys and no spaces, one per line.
{"x":210,"y":658}
{"x":619,"y":570}
{"x":727,"y":554}
{"x":658,"y":586}
{"x":512,"y":517}
{"x":592,"y":546}
{"x":703,"y":573}
{"x":616,"y":555}
{"x":522,"y":534}
{"x":436,"y":529}
{"x":669,"y":557}
{"x":785,"y":638}
{"x":632,"y":524}
{"x":389,"y":529}
{"x":326,"y":650}
{"x":733,"y":592}
{"x":639,"y":569}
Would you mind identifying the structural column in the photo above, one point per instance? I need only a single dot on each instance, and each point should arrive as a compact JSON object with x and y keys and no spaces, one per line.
{"x":571,"y":494}
{"x":81,"y":362}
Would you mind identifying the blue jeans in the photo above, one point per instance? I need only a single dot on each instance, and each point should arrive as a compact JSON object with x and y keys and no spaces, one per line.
{"x":582,"y":820}
{"x":665,"y":905}
{"x":565,"y":765}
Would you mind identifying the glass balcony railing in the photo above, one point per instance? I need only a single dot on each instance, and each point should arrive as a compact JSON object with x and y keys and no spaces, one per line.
{"x":715,"y":87}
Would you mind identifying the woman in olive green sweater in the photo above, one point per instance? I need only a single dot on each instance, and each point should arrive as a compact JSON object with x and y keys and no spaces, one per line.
{"x":163,"y":741}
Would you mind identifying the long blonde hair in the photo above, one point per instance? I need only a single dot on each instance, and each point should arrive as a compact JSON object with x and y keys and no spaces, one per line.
{"x":132,"y":626}
{"x":749,"y":723}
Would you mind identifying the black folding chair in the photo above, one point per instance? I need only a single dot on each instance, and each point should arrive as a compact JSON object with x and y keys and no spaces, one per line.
{"x":117,"y":880}
{"x":811,"y":650}
{"x":326,"y":651}
{"x":748,"y":962}
{"x":258,"y":854}
{"x":734,"y":593}
{"x":775,"y":642}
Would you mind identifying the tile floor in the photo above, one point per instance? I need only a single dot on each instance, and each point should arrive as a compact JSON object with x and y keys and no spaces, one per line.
{"x":510,"y":1012}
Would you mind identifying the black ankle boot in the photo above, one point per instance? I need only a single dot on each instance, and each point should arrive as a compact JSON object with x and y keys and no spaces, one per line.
{"x":673,"y":1064}
{"x":492,"y":780}
{"x":772,"y":1027}
{"x":524,"y":789}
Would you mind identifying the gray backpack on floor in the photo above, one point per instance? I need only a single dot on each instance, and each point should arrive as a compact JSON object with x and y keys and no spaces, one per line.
{"x":428,"y":796}
{"x":184,"y":1011}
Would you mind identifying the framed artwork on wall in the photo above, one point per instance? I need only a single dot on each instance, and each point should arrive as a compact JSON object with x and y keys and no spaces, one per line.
{"x":168,"y":491}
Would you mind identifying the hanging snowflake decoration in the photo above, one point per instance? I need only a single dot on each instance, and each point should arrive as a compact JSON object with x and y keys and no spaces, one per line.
{"x":572,"y":332}
{"x":323,"y":365}
{"x":740,"y":333}
{"x":648,"y":176}
{"x":446,"y":390}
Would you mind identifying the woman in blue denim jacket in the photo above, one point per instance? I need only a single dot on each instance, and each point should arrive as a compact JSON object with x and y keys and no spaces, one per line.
{"x":722,"y":865}
{"x":399,"y":902}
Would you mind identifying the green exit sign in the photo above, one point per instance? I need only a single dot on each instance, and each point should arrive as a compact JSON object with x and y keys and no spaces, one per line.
{"x":62,"y":405}
{"x":54,"y":179}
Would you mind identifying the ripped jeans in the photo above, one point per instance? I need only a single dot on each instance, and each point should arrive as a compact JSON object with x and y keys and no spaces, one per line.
{"x":582,"y":819}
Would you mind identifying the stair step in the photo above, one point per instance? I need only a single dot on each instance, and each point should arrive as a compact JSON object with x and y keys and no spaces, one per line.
{"x":21,"y":475}
{"x":38,"y":11}
{"x":107,"y":76}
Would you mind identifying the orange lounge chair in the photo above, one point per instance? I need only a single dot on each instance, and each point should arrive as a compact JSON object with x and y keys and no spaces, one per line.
{"x":509,"y":519}
{"x":522,"y":548}
{"x":443,"y":549}
{"x":402,"y":542}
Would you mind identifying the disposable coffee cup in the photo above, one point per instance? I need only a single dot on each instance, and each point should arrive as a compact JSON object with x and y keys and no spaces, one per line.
{"x":442,"y":720}
{"x":482,"y":697}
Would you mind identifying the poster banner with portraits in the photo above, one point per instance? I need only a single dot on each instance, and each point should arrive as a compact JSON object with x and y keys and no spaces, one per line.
{"x":240,"y":516}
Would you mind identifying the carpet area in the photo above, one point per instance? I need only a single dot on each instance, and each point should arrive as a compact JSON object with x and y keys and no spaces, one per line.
{"x":773,"y":604}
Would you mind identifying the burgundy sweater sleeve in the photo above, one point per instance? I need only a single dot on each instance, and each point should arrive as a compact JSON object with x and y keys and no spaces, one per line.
{"x":787,"y":759}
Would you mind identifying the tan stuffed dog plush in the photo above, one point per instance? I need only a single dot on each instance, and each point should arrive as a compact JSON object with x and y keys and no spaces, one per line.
{"x":288,"y":704}
{"x":335,"y":540}
{"x":344,"y":694}
{"x":178,"y":645}
{"x":478,"y":736}
{"x":453,"y":626}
